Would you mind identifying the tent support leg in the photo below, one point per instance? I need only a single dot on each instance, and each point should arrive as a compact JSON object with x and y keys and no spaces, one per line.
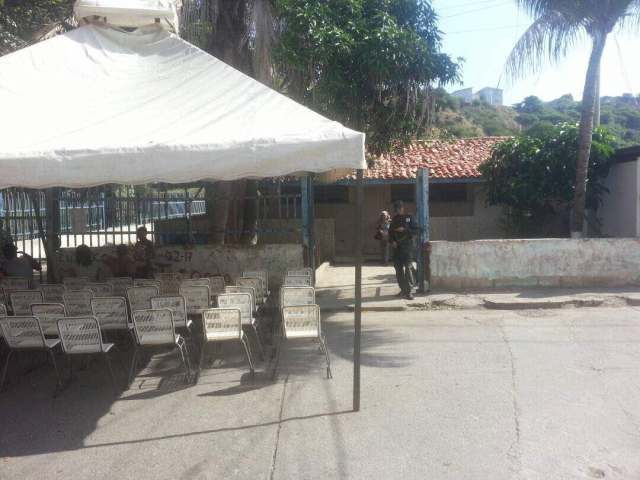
{"x":358,"y":292}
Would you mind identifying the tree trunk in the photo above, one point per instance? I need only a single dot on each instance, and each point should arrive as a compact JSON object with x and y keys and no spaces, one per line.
{"x":586,"y":134}
{"x":596,"y":116}
{"x":218,"y":196}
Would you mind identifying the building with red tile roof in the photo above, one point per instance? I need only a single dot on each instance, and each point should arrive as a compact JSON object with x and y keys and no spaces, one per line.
{"x":447,"y":160}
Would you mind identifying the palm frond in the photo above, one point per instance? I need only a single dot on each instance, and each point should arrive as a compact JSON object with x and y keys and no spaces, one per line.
{"x":547,"y":39}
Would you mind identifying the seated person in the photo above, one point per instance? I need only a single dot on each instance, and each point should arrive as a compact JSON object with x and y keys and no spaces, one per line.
{"x":84,"y":266}
{"x":143,"y":254}
{"x":122,"y":265}
{"x":14,"y":266}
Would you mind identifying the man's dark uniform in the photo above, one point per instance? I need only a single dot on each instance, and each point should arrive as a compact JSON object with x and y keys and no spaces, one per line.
{"x":403,"y":254}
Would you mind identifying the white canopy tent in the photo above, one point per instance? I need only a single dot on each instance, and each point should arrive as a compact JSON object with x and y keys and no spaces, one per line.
{"x":102,"y":105}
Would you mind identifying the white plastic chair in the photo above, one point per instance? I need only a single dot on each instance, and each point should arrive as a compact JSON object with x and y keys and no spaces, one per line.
{"x":169,"y":283}
{"x":100,"y":289}
{"x":155,"y":328}
{"x":257,"y":285}
{"x":217,"y":284}
{"x":111,"y":313}
{"x":48,"y":315}
{"x":120,"y":285}
{"x":140,"y":297}
{"x":244,"y":303}
{"x":21,"y":301}
{"x":52,"y":292}
{"x":15,"y":283}
{"x":75,"y":283}
{"x":25,"y":333}
{"x":249,"y":290}
{"x":290,"y":296}
{"x":300,"y":272}
{"x":298,"y":281}
{"x":197,"y":298}
{"x":82,"y":336}
{"x":3,"y":313}
{"x":177,"y":305}
{"x":77,"y":303}
{"x":261,"y":274}
{"x":196,"y":282}
{"x":304,"y":322}
{"x":146,"y":282}
{"x":223,"y":325}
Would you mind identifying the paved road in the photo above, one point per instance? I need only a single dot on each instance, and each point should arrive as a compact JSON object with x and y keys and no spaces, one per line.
{"x":458,"y":395}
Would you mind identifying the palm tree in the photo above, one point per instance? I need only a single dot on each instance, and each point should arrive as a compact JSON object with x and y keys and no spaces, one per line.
{"x":241,"y":33}
{"x":557,"y":26}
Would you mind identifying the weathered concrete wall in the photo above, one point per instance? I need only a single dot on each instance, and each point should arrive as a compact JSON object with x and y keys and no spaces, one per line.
{"x":539,"y":262}
{"x":619,"y":211}
{"x":202,"y":260}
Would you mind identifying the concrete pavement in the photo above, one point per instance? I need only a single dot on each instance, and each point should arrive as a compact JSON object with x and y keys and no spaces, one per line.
{"x":450,"y":394}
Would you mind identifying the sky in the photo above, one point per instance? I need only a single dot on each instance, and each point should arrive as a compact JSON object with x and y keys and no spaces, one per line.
{"x":483,"y":32}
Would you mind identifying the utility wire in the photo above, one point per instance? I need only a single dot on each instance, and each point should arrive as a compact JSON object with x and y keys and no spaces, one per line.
{"x":488,"y":29}
{"x":476,"y":10}
{"x":462,"y":5}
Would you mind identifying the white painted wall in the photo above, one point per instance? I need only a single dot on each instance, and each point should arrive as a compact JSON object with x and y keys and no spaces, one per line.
{"x":620,"y":209}
{"x":538,"y":262}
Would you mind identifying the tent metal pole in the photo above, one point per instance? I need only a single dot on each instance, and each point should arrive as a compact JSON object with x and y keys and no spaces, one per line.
{"x":358,"y":292}
{"x":312,"y":225}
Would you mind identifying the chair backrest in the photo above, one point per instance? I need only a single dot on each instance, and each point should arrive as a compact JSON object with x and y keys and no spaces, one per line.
{"x":101,"y":289}
{"x":111,"y":312}
{"x":15,"y":283}
{"x":222,"y":324}
{"x":80,"y":335}
{"x":77,"y":302}
{"x":217,"y":284}
{"x":169,"y":283}
{"x":195,"y":282}
{"x":241,"y":301}
{"x":75,"y":283}
{"x":22,"y":332}
{"x":120,"y":285}
{"x":300,"y":272}
{"x":175,"y":303}
{"x":255,"y":283}
{"x":154,"y":327}
{"x":48,"y":315}
{"x":21,"y":301}
{"x":197,"y":298}
{"x":298,"y":281}
{"x":146,"y":282}
{"x":291,"y":296}
{"x":237,"y":289}
{"x":52,"y":292}
{"x":261,"y":274}
{"x":140,"y":297}
{"x":301,"y":321}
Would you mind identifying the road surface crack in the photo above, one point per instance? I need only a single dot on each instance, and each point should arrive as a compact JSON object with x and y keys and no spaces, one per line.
{"x":277,"y":441}
{"x":514,"y":451}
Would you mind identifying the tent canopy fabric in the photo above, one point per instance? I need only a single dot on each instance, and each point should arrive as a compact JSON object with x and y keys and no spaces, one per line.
{"x":100,"y":105}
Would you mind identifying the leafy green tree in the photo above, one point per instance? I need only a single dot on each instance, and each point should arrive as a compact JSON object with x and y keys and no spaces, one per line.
{"x":23,"y":22}
{"x":371,"y":64}
{"x":557,"y":25}
{"x":532,"y":176}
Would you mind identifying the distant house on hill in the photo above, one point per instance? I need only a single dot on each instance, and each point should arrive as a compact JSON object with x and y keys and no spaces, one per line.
{"x":456,"y":200}
{"x":492,"y":96}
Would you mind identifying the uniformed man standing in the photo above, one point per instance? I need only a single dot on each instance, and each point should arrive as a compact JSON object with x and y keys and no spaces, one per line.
{"x":401,"y":233}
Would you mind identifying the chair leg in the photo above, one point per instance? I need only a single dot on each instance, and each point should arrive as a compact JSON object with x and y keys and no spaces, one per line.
{"x":181,"y":345}
{"x":5,"y":369}
{"x":323,"y":344}
{"x":113,"y":377}
{"x":258,"y":341}
{"x":243,"y":339}
{"x":134,"y":358}
{"x":55,"y":367}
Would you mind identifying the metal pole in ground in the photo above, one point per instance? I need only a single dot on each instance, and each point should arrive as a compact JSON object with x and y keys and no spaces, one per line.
{"x":358,"y":306}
